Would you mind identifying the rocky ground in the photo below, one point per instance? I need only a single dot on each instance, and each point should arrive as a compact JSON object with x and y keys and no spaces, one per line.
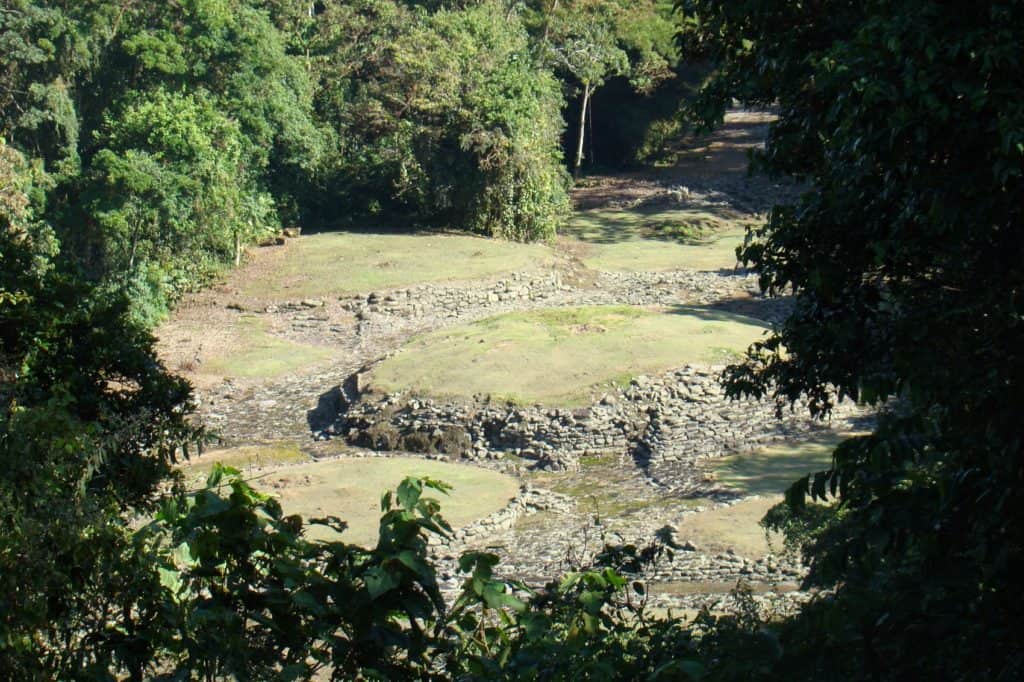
{"x":630,"y":465}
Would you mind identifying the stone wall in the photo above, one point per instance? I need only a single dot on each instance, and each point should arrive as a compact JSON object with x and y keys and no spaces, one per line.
{"x":529,"y":290}
{"x":454,"y":301}
{"x":672,"y":420}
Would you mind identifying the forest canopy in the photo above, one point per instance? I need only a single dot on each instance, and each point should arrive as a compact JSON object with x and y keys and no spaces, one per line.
{"x":163,"y":138}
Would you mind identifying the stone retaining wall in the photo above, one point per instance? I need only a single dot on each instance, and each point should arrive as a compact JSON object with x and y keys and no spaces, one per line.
{"x":528,"y":500}
{"x":453,"y":301}
{"x":674,"y":419}
{"x":526,"y":290}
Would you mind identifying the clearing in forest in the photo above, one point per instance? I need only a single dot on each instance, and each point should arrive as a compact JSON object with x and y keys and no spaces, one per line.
{"x":562,"y":356}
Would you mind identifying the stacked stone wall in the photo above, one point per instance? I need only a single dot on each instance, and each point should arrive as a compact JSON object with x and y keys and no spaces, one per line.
{"x":674,"y":419}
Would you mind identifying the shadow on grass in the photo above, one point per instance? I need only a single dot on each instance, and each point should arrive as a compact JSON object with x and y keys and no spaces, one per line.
{"x":682,"y":224}
{"x":718,"y":313}
{"x":770,"y":310}
{"x":772,"y":470}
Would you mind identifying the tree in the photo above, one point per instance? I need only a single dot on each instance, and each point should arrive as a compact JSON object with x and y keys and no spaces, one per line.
{"x":171,"y":190}
{"x":443,"y":116}
{"x":90,"y":424}
{"x":904,"y":120}
{"x":76,"y":67}
{"x":591,"y":41}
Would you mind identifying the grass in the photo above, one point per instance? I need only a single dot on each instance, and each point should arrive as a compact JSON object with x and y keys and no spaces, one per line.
{"x":764,"y":474}
{"x":245,"y":458}
{"x":351,"y":488}
{"x":348,"y":262}
{"x":770,"y":471}
{"x":734,"y":527}
{"x":637,"y":239}
{"x":562,"y":356}
{"x":256,"y":354}
{"x":613,"y":506}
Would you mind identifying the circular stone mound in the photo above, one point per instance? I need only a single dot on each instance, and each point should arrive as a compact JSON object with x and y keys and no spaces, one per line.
{"x":562,"y":356}
{"x":351,"y":490}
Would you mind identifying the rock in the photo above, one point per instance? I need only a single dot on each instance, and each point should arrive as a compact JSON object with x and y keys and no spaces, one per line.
{"x":291,"y":232}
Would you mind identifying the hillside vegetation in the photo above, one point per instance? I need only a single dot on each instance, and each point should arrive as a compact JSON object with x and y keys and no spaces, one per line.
{"x":161,"y":139}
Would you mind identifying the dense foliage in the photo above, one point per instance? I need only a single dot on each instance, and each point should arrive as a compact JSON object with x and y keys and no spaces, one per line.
{"x":590,"y":42}
{"x":906,"y":121}
{"x":169,"y":134}
{"x":90,"y":426}
{"x":444,"y":115}
{"x":165,"y":137}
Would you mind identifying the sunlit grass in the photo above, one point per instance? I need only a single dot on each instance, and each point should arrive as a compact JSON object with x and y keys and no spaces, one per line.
{"x":561,"y":356}
{"x":349,"y":262}
{"x":255,"y":353}
{"x":641,"y":240}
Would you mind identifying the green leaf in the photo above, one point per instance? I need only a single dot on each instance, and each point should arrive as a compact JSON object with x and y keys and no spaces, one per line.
{"x":592,"y":602}
{"x":409,"y":492}
{"x":380,"y":581}
{"x":495,"y":597}
{"x":535,"y":625}
{"x":415,"y":563}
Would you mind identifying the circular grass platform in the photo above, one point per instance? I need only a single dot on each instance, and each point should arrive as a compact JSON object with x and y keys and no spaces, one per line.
{"x":351,"y":488}
{"x":561,"y":356}
{"x":334,"y":263}
{"x":772,"y":469}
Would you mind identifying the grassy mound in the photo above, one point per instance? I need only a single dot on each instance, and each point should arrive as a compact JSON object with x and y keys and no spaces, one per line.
{"x":351,"y":488}
{"x":350,"y":262}
{"x":735,"y":528}
{"x":245,"y":458}
{"x":639,"y":239}
{"x":764,"y":474}
{"x":561,"y":356}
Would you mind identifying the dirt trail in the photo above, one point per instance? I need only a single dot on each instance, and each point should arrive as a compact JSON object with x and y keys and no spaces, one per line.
{"x":715,"y":162}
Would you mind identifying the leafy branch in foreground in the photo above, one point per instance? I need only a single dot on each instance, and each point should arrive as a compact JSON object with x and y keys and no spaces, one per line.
{"x":903,"y":258}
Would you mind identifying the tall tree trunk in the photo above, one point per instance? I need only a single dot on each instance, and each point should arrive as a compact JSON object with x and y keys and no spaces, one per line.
{"x":583,"y":124}
{"x":547,"y":20}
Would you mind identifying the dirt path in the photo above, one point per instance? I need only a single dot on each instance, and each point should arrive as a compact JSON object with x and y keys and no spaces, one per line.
{"x":712,"y":163}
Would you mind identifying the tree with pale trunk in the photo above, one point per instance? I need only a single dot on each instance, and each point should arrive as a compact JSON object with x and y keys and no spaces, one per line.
{"x":592,"y":41}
